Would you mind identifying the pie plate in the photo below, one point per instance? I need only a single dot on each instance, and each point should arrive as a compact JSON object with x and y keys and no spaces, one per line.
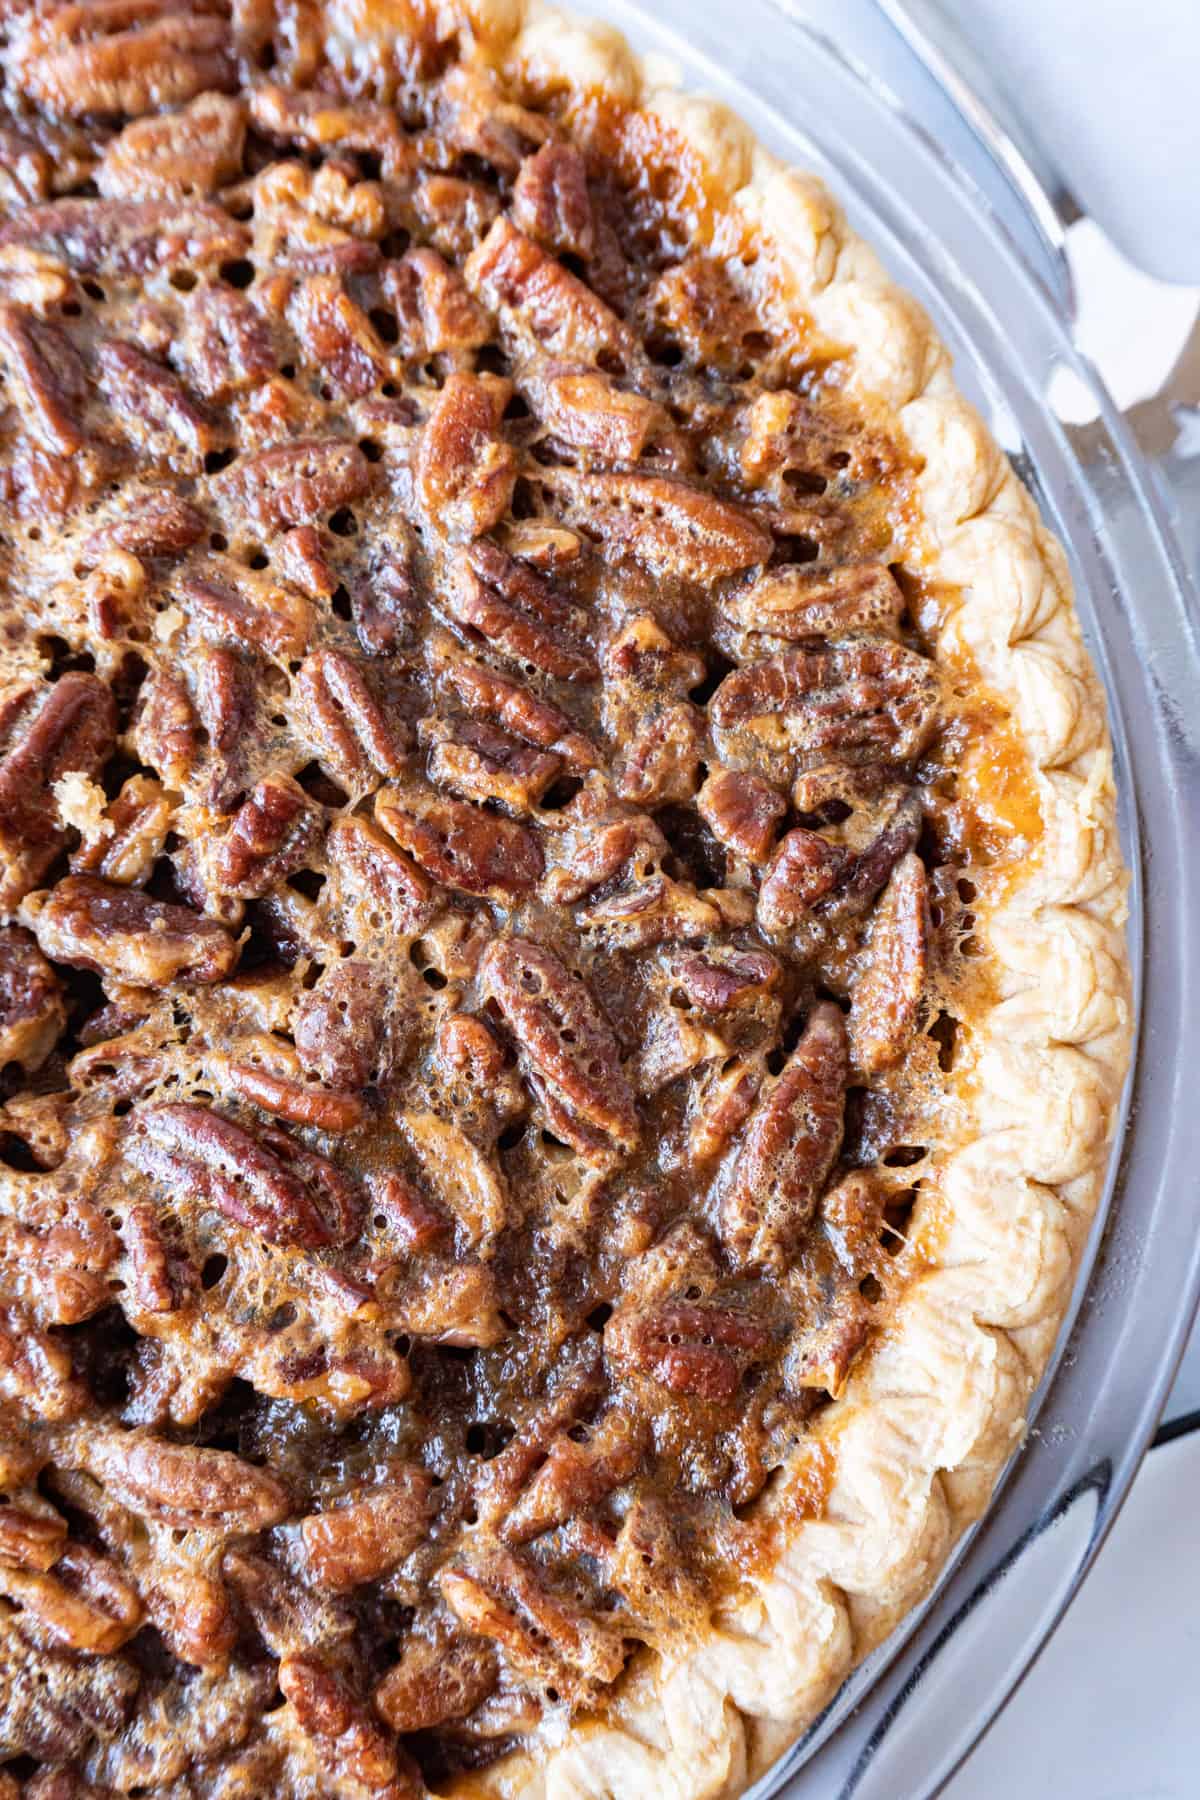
{"x":908,"y":1716}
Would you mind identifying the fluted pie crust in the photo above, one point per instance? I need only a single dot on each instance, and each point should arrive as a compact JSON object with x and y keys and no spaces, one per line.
{"x":928,"y":1420}
{"x":905,"y":1455}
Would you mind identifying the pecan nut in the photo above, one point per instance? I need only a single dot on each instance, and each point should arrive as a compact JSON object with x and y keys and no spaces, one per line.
{"x":273,"y":832}
{"x":364,"y":1538}
{"x":565,"y":1044}
{"x":460,"y":845}
{"x":699,"y":1351}
{"x":295,"y":484}
{"x":181,"y":1485}
{"x":355,"y":736}
{"x":47,"y":379}
{"x":465,"y":470}
{"x":126,"y":237}
{"x":885,"y":997}
{"x":436,"y":1682}
{"x":517,"y":612}
{"x":32,"y":1010}
{"x":668,"y":527}
{"x":123,"y":934}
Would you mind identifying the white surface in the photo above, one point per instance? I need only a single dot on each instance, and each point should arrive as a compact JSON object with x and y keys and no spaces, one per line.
{"x":1110,"y":1711}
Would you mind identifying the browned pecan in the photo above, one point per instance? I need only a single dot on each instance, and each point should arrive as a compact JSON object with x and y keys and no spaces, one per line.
{"x":813,"y":886}
{"x":179,"y":1484}
{"x":362,"y":1538}
{"x":829,"y":1349}
{"x":454,"y":212}
{"x":435,"y":1681}
{"x":809,"y":600}
{"x":117,"y":58}
{"x":566,"y":1045}
{"x":551,"y":201}
{"x":302,"y":558}
{"x":380,"y":876}
{"x":662,"y":763}
{"x":483,"y":763}
{"x":477,"y":118}
{"x":588,"y":411}
{"x":122,"y":933}
{"x":140,"y":388}
{"x":858,"y":701}
{"x":852,"y":1214}
{"x":286,"y":1614}
{"x":578,"y":1388}
{"x":579,"y":1470}
{"x":338,"y":1026}
{"x":84,"y":1603}
{"x":536,"y":297}
{"x":268,"y":1182}
{"x":701,"y":1351}
{"x":349,"y":1739}
{"x":174,"y":155}
{"x":517,"y":612}
{"x":165,"y":727}
{"x":35,"y":1368}
{"x":406,"y":1212}
{"x":32,"y":1012}
{"x":385,"y":594}
{"x":315,"y":120}
{"x":159,"y":524}
{"x":465,"y":470}
{"x":132,"y":836}
{"x":31,"y":1536}
{"x":299,"y":1102}
{"x":719,"y":979}
{"x":887,"y":991}
{"x":224,"y":689}
{"x":226,"y":345}
{"x":293,"y":484}
{"x":53,"y":1704}
{"x":435,"y":311}
{"x":274,"y":831}
{"x":456,"y":1306}
{"x":742,"y":811}
{"x":487,"y":693}
{"x":46,"y":379}
{"x":541,"y":1633}
{"x":356,"y":738}
{"x":126,"y":237}
{"x":160,"y":1273}
{"x":74,"y":728}
{"x":669,"y":527}
{"x":337,"y":336}
{"x":461,"y":845}
{"x":655,"y":911}
{"x":593,"y":853}
{"x":789,"y":1147}
{"x":225,"y":601}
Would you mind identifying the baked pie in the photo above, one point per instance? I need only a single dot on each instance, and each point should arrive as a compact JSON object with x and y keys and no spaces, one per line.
{"x":562,"y":990}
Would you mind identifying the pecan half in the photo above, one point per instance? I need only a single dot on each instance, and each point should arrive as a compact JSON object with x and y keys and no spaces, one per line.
{"x":742,"y":811}
{"x":158,"y":524}
{"x":125,"y":935}
{"x":363,"y":1538}
{"x":699,"y":1351}
{"x":813,"y":886}
{"x":47,"y":379}
{"x":378,"y":877}
{"x":565,"y":1044}
{"x":720,"y":979}
{"x":338,"y":1026}
{"x":350,"y":1740}
{"x":465,"y":470}
{"x":662,"y":763}
{"x":84,"y":1603}
{"x":160,"y":1275}
{"x":74,"y":729}
{"x":657,"y":911}
{"x":298,"y":1102}
{"x":132,"y":835}
{"x":537,"y":298}
{"x":669,"y":527}
{"x":809,"y":600}
{"x":226,"y":345}
{"x":32,"y":1011}
{"x":114,"y":59}
{"x":551,"y":201}
{"x":885,"y":997}
{"x":435,"y":311}
{"x":294,"y":484}
{"x":268,"y":1183}
{"x":181,"y":1485}
{"x":127,"y":237}
{"x":578,"y":1471}
{"x":150,"y":403}
{"x":436,"y":1681}
{"x":461,"y":845}
{"x":192,"y":151}
{"x":498,"y":697}
{"x":273,"y":832}
{"x":355,"y":737}
{"x":228,"y":602}
{"x":588,"y":411}
{"x":541,"y":1633}
{"x":35,"y":1368}
{"x":517,"y":612}
{"x":337,"y":336}
{"x":858,"y":701}
{"x":789,"y":1148}
{"x":482,"y":763}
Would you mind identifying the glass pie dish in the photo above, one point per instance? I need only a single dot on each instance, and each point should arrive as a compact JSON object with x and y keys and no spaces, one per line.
{"x":908,"y":1716}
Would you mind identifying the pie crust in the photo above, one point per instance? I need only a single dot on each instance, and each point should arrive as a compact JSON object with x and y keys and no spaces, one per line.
{"x":906,"y":1456}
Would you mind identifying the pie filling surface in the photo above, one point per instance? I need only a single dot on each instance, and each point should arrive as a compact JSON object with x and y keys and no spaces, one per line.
{"x":488,"y":855}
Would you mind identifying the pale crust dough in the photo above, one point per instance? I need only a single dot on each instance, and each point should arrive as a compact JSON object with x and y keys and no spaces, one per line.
{"x":929,"y":1419}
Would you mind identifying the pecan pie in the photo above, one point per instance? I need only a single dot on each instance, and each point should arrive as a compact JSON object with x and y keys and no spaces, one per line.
{"x":561,"y":980}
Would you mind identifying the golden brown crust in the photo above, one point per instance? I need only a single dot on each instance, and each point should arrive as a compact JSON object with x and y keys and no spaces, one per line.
{"x":927,"y":1422}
